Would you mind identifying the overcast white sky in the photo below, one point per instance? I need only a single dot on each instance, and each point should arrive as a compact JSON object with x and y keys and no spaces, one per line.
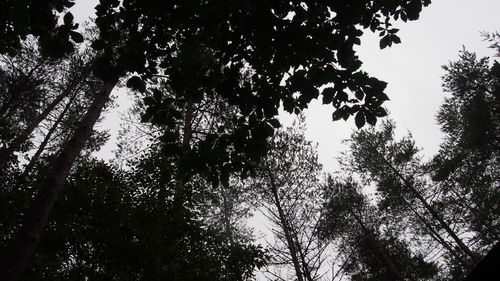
{"x":412,"y":70}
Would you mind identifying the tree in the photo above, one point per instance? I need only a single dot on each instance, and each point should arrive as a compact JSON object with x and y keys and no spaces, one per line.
{"x":140,"y":36}
{"x":114,"y":224}
{"x":466,"y":167}
{"x":395,"y":168}
{"x":288,"y":182}
{"x":371,"y":248}
{"x":35,"y":87}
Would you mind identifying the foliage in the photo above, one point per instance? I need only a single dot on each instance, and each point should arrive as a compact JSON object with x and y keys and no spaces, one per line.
{"x":204,"y":52}
{"x":371,"y":250}
{"x":19,"y":18}
{"x":247,"y":63}
{"x":109,"y":226}
{"x":466,"y":166}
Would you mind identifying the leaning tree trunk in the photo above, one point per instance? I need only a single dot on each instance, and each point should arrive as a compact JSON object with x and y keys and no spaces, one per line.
{"x":180,"y":184}
{"x":47,"y":138}
{"x":434,"y":234}
{"x":18,"y":141}
{"x":186,"y":139}
{"x":22,"y":247}
{"x":286,"y":231}
{"x":433,"y":212}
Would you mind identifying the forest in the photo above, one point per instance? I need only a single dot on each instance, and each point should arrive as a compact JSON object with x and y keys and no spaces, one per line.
{"x":202,"y":153}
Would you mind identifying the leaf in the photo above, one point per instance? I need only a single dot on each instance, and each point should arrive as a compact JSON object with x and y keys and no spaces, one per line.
{"x":69,"y":4}
{"x":359,"y":120}
{"x":359,"y":95}
{"x":336,"y":115}
{"x":274,"y":122}
{"x":393,"y":31}
{"x":414,"y":9}
{"x":385,"y":41}
{"x":98,"y":45}
{"x":68,"y":18}
{"x":383,"y":97}
{"x":77,"y":37}
{"x":136,"y":83}
{"x":396,"y":39}
{"x":380,"y":112}
{"x":404,"y":17}
{"x":370,"y":118}
{"x":328,"y":94}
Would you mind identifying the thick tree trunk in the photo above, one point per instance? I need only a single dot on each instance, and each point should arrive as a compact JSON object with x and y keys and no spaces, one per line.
{"x":15,"y":258}
{"x":18,"y":141}
{"x":433,"y":212}
{"x":286,"y":231}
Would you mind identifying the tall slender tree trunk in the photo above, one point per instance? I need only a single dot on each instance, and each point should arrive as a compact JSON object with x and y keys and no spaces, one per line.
{"x":18,"y":141}
{"x":226,"y":212}
{"x":435,"y":235}
{"x":179,"y":192}
{"x":14,"y":259}
{"x":286,"y":230}
{"x":432,"y":211}
{"x":186,"y":139}
{"x":47,"y":138}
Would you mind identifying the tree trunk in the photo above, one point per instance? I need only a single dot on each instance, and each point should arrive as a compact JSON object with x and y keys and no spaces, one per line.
{"x":434,"y":234}
{"x":433,"y":212}
{"x":186,"y":138}
{"x":18,"y":141}
{"x":305,"y":265}
{"x":286,"y":231}
{"x":22,"y":247}
{"x":46,"y":139}
{"x":179,"y":192}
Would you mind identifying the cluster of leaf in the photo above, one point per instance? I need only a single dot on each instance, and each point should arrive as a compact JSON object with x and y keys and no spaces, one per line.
{"x":19,"y":18}
{"x":217,"y":48}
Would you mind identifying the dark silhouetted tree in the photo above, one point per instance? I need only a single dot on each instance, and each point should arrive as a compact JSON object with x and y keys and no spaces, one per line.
{"x":306,"y":44}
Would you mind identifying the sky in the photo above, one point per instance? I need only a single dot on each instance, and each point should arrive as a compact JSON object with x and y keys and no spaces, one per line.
{"x":412,"y":70}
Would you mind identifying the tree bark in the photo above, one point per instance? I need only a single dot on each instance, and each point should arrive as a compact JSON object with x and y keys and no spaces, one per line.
{"x":22,"y":247}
